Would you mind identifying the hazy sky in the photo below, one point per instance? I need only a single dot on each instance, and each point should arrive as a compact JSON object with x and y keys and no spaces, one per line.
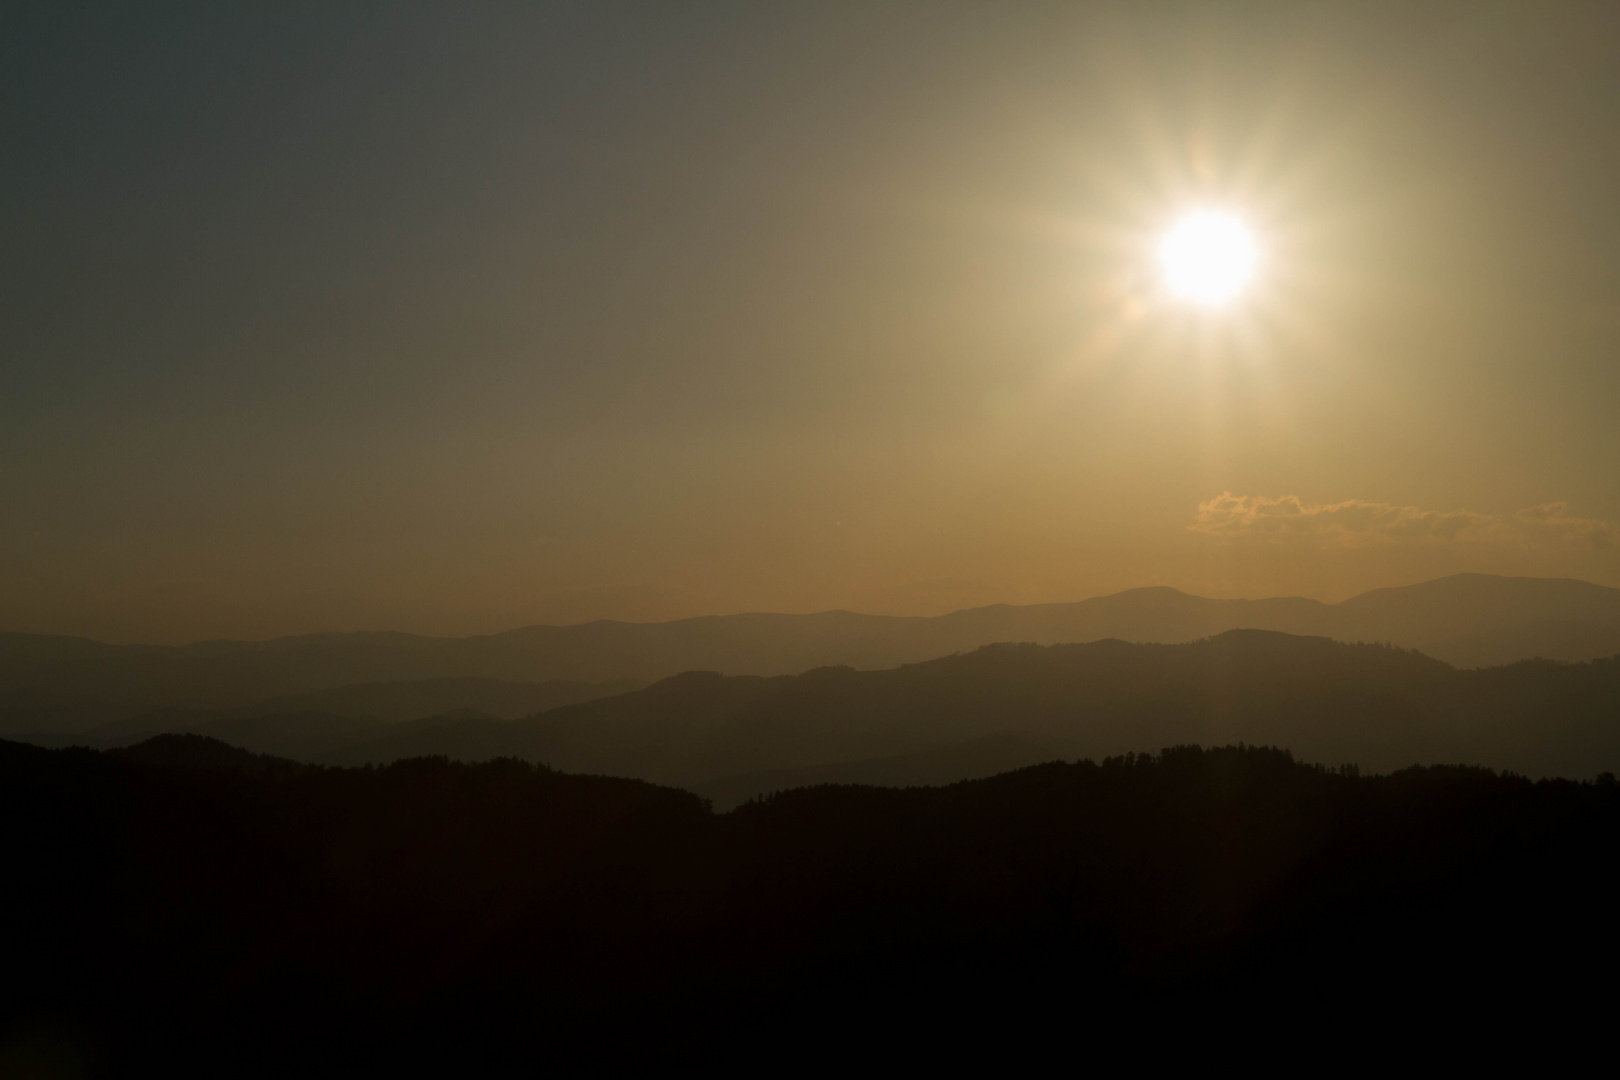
{"x":452,"y":319}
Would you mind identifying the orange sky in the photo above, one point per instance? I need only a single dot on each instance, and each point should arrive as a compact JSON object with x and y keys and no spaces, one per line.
{"x":456,"y":321}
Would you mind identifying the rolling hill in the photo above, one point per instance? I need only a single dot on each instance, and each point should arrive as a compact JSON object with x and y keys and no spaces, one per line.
{"x":69,"y":684}
{"x":189,"y":907}
{"x":1004,"y":706}
{"x":313,"y":725}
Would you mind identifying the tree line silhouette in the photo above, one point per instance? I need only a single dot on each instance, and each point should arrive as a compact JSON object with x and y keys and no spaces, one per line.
{"x":187,"y":903}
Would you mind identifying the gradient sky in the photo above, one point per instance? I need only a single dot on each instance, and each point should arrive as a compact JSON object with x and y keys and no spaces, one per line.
{"x":452,"y":319}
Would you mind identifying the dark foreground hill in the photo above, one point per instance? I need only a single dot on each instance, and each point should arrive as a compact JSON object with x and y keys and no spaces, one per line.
{"x":184,"y":905}
{"x":70,"y":684}
{"x":1005,"y":706}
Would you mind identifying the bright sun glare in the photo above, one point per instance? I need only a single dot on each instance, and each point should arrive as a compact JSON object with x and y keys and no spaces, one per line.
{"x":1207,"y":257}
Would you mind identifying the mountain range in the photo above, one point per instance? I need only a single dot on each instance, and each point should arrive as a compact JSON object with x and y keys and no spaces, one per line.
{"x":53,"y":684}
{"x":188,"y":906}
{"x":1000,"y":707}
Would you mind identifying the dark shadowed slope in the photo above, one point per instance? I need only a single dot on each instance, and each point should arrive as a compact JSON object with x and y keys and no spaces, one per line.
{"x":950,"y":763}
{"x":730,"y":737}
{"x":67,"y":684}
{"x":193,"y":910}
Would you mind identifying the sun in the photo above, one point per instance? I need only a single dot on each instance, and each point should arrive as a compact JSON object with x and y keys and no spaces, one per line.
{"x":1208,"y":257}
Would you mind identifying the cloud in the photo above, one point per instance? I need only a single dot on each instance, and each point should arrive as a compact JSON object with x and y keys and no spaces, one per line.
{"x":1552,"y":523}
{"x":1357,"y":523}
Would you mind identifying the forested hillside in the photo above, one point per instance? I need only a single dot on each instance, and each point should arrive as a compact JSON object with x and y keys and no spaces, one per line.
{"x":197,"y":906}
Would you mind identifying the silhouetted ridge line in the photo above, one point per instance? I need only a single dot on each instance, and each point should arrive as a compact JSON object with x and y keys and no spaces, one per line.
{"x":179,"y":907}
{"x":1010,"y":704}
{"x":197,"y":752}
{"x":60,"y":684}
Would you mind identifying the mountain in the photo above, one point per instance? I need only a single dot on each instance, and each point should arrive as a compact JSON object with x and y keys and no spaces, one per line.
{"x":70,"y":684}
{"x":182,"y":906}
{"x":390,"y":701}
{"x":345,"y":709}
{"x":1475,"y":620}
{"x":951,"y":763}
{"x":970,"y":715}
{"x":320,"y":726}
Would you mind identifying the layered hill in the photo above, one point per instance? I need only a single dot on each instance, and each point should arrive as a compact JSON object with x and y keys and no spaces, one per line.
{"x":311,"y":725}
{"x":70,"y":684}
{"x":189,"y":907}
{"x":1005,"y":706}
{"x":977,"y":713}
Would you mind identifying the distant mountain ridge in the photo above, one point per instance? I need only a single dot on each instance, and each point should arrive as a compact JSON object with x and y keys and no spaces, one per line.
{"x":974,"y":714}
{"x":1469,"y":620}
{"x":306,"y":724}
{"x":1005,"y":706}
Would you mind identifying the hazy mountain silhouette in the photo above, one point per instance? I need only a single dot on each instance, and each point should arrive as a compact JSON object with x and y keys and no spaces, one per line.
{"x":63,"y":684}
{"x":1003,"y":706}
{"x":321,"y":726}
{"x":1374,"y":706}
{"x":433,"y":697}
{"x":336,"y":715}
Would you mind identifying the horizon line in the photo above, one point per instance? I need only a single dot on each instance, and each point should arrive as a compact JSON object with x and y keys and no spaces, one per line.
{"x":796,"y":614}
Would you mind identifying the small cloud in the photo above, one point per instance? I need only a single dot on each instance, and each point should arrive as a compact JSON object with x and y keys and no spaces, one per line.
{"x":1356,"y":523}
{"x":1552,"y":522}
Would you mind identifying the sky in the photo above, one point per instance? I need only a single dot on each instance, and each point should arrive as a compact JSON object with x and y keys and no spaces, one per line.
{"x":455,"y":318}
